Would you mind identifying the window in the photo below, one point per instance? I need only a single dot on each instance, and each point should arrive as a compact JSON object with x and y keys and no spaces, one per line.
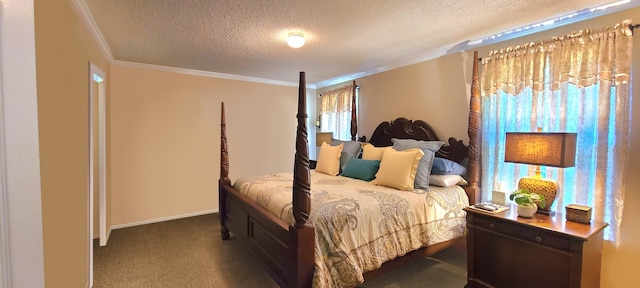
{"x":335,"y":112}
{"x":578,"y":83}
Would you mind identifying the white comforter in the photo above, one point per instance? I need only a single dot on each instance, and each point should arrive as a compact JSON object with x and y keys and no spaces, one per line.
{"x":358,"y":225}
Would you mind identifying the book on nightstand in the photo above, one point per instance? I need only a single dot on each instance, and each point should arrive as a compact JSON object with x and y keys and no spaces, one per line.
{"x":489,"y":207}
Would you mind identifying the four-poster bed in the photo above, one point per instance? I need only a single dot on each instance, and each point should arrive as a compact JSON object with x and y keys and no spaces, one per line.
{"x":287,"y":247}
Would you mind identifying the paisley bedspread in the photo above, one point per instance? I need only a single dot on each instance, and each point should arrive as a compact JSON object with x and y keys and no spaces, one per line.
{"x":358,"y":225}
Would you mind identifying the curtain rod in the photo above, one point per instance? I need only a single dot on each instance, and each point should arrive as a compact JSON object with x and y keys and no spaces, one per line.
{"x":340,"y":88}
{"x":631,"y":27}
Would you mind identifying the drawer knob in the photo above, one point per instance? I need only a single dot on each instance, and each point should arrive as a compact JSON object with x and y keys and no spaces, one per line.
{"x":492,"y":226}
{"x":538,"y":239}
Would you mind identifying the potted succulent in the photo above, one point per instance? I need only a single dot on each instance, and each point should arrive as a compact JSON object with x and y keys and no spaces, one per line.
{"x":526,"y":201}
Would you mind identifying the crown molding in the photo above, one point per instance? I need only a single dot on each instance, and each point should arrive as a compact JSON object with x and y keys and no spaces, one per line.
{"x":571,"y":18}
{"x":541,"y":26}
{"x":205,"y":73}
{"x":85,"y":13}
{"x":82,"y":8}
{"x":410,"y":61}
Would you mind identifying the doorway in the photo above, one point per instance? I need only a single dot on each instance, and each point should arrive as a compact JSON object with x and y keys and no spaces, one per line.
{"x":21,"y":242}
{"x":97,"y":161}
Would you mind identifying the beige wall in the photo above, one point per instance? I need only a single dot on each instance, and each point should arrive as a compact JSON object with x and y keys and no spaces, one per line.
{"x":64,"y":47}
{"x":438,"y":91}
{"x":165,"y":139}
{"x":162,"y":133}
{"x":416,"y":92}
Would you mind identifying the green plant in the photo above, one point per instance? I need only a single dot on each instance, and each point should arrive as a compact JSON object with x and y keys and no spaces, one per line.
{"x":525,"y":197}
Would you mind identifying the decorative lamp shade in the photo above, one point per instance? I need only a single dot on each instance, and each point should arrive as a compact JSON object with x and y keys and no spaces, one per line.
{"x":323,"y":137}
{"x":546,"y":149}
{"x":536,"y":148}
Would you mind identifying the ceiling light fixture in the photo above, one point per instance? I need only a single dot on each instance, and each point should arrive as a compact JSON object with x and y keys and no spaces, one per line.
{"x":295,"y":39}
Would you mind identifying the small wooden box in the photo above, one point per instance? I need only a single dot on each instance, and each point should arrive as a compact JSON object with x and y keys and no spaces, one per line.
{"x":578,"y":213}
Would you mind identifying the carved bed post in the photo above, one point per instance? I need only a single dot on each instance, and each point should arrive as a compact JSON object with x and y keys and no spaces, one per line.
{"x":224,"y":175}
{"x":473,"y":171}
{"x":301,"y":176}
{"x":302,"y":234}
{"x":354,"y":115}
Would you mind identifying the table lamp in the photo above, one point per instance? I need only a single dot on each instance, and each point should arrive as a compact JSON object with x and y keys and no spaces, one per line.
{"x":546,"y":149}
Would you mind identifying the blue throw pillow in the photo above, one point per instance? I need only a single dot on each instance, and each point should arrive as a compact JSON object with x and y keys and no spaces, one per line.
{"x":351,"y":149}
{"x":424,"y":167}
{"x":443,"y":166}
{"x":361,"y":169}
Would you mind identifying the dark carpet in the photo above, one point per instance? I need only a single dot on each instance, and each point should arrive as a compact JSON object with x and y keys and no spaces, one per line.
{"x":190,"y":253}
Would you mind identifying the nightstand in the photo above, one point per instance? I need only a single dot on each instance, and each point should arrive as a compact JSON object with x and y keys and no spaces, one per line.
{"x":504,"y":250}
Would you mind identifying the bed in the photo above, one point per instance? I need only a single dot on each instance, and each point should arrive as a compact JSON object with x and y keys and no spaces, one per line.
{"x":282,"y":235}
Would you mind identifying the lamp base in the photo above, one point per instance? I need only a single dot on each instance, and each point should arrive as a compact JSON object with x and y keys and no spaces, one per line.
{"x":543,"y":187}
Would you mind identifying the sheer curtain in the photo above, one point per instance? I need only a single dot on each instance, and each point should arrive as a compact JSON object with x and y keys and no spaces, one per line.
{"x":335,"y":112}
{"x":575,"y":83}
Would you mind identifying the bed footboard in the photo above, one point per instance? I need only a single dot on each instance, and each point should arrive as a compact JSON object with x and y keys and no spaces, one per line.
{"x":287,"y":250}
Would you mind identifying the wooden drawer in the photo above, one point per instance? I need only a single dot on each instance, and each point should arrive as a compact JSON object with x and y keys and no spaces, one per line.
{"x":505,"y":250}
{"x":526,"y":233}
{"x":237,"y":218}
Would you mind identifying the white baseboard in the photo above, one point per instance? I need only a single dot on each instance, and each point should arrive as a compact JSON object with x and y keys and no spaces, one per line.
{"x":97,"y":236}
{"x":126,"y":225}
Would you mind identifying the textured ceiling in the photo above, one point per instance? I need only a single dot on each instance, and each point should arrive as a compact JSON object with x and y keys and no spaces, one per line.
{"x":344,"y":37}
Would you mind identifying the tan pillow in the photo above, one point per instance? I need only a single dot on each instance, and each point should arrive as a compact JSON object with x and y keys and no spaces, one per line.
{"x":329,"y":159}
{"x":398,"y":168}
{"x":370,"y":152}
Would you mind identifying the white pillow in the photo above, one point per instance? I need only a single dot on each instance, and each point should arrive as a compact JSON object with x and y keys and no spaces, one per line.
{"x":447,"y":180}
{"x":329,"y":159}
{"x":398,"y":168}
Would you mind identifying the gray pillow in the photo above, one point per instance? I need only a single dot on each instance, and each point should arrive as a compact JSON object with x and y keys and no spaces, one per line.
{"x":350,"y":150}
{"x":424,"y":167}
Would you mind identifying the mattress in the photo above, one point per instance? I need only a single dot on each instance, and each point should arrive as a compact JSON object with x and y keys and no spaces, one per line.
{"x":359,"y":225}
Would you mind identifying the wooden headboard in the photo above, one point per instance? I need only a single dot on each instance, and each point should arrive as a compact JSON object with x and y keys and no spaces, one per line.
{"x":403,"y":128}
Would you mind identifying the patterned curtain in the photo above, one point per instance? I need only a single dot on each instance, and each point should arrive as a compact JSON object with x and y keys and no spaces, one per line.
{"x":574,"y":83}
{"x":335,"y":113}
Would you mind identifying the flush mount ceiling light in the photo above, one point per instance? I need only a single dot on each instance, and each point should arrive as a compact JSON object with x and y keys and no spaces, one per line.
{"x":295,"y":39}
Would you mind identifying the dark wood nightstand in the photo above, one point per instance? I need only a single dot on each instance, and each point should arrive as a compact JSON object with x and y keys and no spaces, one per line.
{"x":504,"y":250}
